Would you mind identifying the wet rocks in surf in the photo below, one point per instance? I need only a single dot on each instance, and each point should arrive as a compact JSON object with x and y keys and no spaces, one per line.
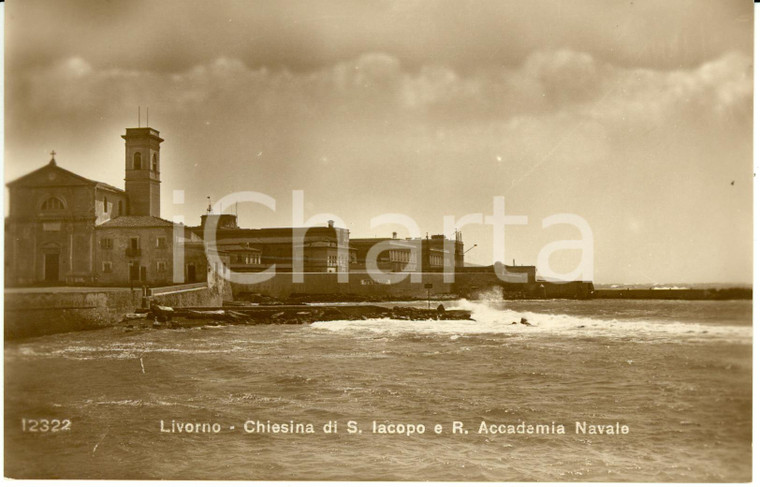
{"x":164,"y":317}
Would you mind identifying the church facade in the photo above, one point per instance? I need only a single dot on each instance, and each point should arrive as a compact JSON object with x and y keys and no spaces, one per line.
{"x":65,"y":229}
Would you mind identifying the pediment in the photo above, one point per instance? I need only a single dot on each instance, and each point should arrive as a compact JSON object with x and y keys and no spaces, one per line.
{"x":51,"y":175}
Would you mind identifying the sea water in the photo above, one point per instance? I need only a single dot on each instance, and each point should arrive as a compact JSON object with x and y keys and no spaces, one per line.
{"x":663,"y":386}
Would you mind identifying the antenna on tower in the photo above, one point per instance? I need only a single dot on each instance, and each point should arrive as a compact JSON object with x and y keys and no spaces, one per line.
{"x":209,"y":210}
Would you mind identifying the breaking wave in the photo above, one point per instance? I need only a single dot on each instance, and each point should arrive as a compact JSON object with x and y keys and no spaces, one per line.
{"x":489,"y":317}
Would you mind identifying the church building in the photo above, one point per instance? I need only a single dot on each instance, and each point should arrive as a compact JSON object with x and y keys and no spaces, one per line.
{"x":66,"y":229}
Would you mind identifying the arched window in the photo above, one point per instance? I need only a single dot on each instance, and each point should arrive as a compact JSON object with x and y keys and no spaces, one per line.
{"x":155,"y":162}
{"x":137,"y":161}
{"x":52,"y":203}
{"x":105,"y":204}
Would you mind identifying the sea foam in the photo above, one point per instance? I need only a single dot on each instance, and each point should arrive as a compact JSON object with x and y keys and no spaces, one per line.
{"x":489,"y":318}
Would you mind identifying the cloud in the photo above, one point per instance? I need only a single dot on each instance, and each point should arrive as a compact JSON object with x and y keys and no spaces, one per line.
{"x":300,"y":35}
{"x":552,"y":88}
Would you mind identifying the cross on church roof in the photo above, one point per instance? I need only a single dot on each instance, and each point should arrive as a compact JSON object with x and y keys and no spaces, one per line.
{"x":52,"y":159}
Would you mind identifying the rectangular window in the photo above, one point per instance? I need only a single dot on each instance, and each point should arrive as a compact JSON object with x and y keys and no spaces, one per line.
{"x":106,"y":267}
{"x":106,"y":243}
{"x":161,"y":266}
{"x":134,"y":271}
{"x":134,"y":243}
{"x":161,"y":242}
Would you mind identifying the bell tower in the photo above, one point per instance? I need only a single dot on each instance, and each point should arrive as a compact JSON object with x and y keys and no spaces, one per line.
{"x":142,"y":171}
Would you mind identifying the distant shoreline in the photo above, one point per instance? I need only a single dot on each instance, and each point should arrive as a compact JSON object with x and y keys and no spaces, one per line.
{"x":702,"y":294}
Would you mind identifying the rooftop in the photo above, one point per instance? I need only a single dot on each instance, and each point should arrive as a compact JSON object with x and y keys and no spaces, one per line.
{"x":53,"y":166}
{"x":136,"y":222}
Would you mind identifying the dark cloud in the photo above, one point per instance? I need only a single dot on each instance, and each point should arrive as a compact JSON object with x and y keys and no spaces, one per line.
{"x":172,"y":35}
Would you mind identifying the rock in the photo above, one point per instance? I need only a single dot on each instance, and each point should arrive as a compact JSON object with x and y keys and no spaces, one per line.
{"x":161,"y":313}
{"x":461,"y":314}
{"x":237,"y":315}
{"x":134,"y":316}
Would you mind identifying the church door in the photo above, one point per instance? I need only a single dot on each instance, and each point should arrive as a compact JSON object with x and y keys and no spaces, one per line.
{"x":51,"y":268}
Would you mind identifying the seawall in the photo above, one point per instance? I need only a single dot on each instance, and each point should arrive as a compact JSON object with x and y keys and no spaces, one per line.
{"x":43,"y":311}
{"x":469,"y":285}
{"x":281,"y":286}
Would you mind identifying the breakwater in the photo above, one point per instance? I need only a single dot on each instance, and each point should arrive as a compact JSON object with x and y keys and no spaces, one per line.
{"x":164,"y":317}
{"x":44,"y":311}
{"x":687,"y":294}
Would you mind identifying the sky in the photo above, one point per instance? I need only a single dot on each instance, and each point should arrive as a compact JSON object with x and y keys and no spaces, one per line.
{"x":634,"y":115}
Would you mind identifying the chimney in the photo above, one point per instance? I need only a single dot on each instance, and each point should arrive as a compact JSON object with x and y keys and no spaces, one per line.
{"x":330,"y":223}
{"x":395,"y":235}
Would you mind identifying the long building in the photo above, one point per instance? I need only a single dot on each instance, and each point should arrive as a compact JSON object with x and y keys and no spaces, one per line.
{"x":327,"y":249}
{"x":318,"y":249}
{"x":430,"y":254}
